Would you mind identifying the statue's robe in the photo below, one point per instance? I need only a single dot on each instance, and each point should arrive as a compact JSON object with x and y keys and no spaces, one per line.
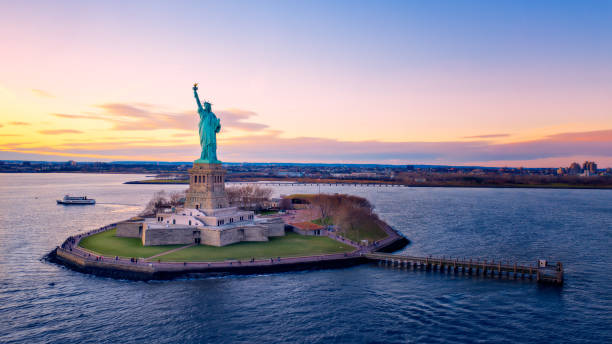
{"x":209,"y":127}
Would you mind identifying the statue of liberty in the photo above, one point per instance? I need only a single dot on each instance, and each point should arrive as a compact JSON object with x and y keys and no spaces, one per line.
{"x":209,"y":126}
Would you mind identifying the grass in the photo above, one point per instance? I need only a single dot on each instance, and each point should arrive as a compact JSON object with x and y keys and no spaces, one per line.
{"x":290,"y":245}
{"x":107,"y":244}
{"x":368,"y":229}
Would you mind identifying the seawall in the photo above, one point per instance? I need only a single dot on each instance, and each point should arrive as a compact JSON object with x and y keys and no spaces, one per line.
{"x":164,"y":271}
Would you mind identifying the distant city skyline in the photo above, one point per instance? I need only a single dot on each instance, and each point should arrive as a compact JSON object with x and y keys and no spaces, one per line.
{"x":505,"y":83}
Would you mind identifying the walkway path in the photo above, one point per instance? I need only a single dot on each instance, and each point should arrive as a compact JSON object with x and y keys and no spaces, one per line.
{"x":166,"y":252}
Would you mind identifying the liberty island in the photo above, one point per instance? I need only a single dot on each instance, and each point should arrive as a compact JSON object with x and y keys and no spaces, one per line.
{"x":206,"y":234}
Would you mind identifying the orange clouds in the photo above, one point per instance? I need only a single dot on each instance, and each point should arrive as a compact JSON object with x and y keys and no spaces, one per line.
{"x":139,"y":117}
{"x":589,"y":136}
{"x":60,"y":131}
{"x":488,"y":136}
{"x":42,"y":93}
{"x":273,"y":148}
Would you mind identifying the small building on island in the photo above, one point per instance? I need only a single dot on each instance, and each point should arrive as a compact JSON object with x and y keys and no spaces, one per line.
{"x":307,"y":228}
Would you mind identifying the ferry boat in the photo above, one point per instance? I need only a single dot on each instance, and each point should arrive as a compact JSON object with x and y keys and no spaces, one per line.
{"x":76,"y":200}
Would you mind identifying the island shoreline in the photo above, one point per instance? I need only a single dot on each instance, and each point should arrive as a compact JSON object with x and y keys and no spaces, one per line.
{"x":168,"y":271}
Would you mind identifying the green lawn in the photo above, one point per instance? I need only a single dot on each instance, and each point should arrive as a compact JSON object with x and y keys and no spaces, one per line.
{"x":107,"y":244}
{"x":291,"y":245}
{"x":368,"y":229}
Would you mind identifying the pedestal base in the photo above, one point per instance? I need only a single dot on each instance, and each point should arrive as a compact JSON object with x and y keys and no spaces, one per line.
{"x":206,"y":187}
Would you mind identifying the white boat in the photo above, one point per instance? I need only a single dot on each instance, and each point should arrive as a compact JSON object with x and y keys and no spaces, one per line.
{"x":76,"y":200}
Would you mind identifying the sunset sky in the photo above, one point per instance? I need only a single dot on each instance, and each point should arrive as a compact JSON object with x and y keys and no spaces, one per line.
{"x":492,"y":83}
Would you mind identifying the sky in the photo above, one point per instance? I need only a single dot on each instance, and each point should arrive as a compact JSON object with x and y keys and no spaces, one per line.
{"x":491,"y":83}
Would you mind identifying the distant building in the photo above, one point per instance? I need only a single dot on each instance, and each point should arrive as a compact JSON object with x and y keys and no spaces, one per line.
{"x":290,"y":174}
{"x":590,"y":166}
{"x":272,"y":203}
{"x":307,"y":228}
{"x":354,"y":175}
{"x":574,"y":168}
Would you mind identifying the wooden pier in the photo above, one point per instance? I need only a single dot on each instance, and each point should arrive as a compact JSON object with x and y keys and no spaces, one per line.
{"x":542,"y":272}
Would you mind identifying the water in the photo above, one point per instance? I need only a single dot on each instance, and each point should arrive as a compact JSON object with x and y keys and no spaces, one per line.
{"x":42,"y":302}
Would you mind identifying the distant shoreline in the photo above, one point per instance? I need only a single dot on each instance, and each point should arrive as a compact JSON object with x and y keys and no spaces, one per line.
{"x":382,"y":183}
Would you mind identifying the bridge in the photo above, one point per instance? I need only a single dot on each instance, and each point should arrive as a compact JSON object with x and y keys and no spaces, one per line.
{"x":317,"y":184}
{"x":541,"y":272}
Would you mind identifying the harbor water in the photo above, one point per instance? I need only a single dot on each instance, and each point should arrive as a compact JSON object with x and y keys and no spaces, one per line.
{"x":41,"y":302}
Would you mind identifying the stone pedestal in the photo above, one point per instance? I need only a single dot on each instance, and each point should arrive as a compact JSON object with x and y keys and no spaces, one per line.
{"x":206,"y":187}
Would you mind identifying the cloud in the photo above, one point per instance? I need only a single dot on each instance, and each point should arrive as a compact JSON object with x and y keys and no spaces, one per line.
{"x":264,"y":144}
{"x":140,"y":117}
{"x":273,"y":148}
{"x":60,"y":131}
{"x":63,"y":115}
{"x":235,"y":118}
{"x":488,"y":136}
{"x":131,"y":117}
{"x":588,"y":136}
{"x":18,"y":123}
{"x":42,"y":93}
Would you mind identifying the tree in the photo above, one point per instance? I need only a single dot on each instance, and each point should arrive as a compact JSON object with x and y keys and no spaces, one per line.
{"x":157,"y":201}
{"x":327,"y":204}
{"x":349,"y":218}
{"x":233,"y":195}
{"x":176,"y":198}
{"x":162,"y":199}
{"x":248,"y":196}
{"x":285,"y":204}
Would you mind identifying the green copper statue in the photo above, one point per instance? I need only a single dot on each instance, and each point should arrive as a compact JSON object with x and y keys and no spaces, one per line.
{"x":209,"y":126}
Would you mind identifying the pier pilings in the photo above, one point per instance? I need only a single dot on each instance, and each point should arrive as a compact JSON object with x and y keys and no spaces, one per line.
{"x":542,"y":274}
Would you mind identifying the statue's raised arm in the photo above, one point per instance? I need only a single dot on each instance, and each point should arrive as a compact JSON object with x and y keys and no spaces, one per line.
{"x":195,"y":94}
